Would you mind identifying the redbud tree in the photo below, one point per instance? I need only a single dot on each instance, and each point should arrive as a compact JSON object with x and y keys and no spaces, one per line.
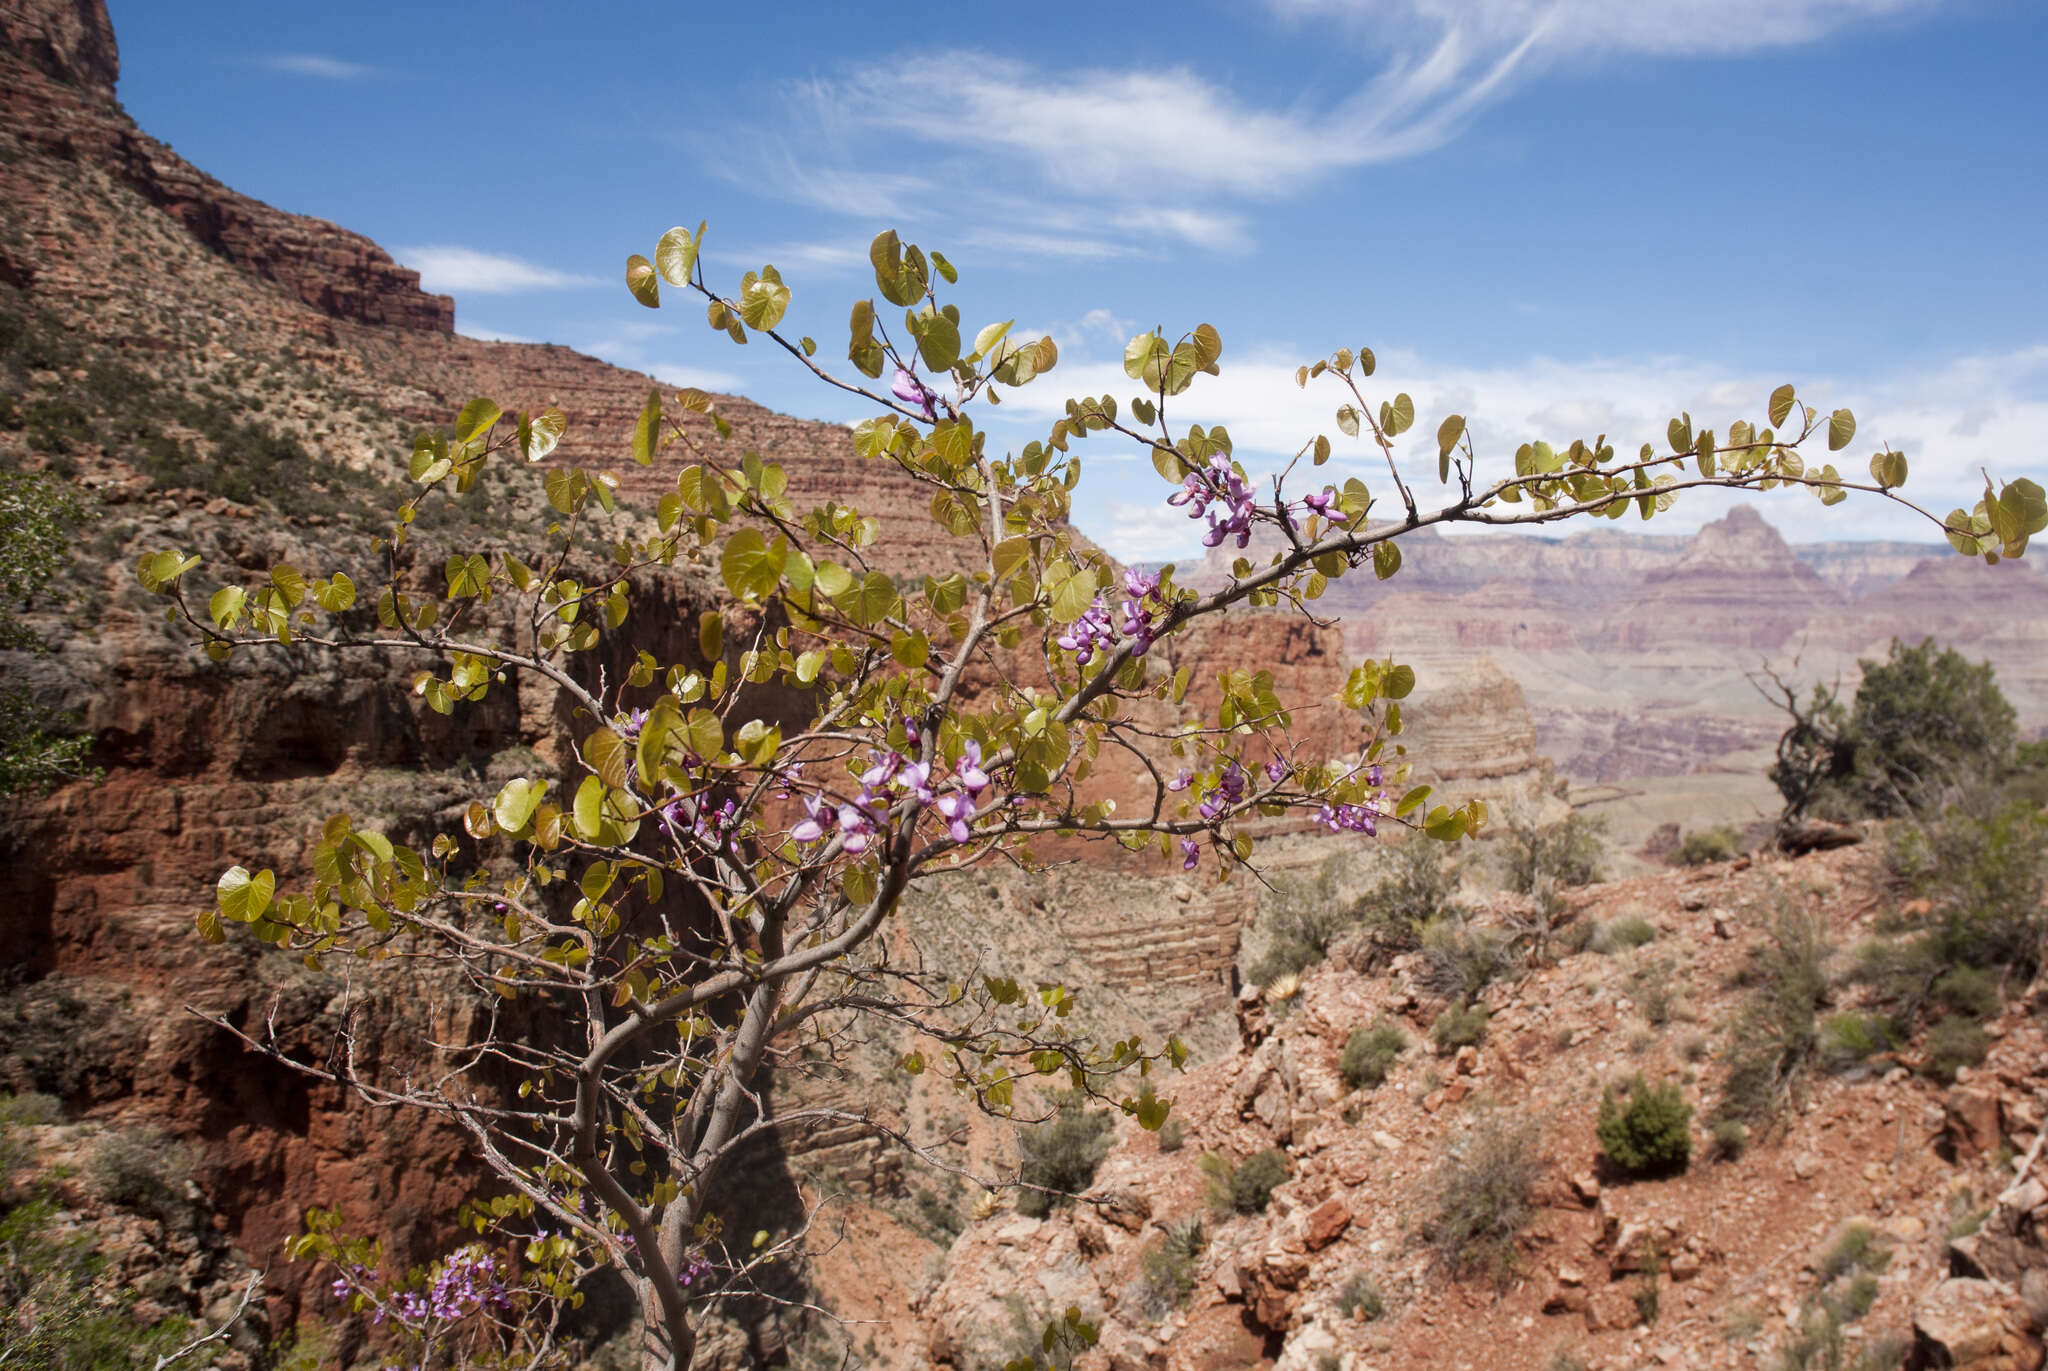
{"x":711,"y":887}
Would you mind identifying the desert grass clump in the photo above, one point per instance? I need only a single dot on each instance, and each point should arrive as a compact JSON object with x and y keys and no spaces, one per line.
{"x":1166,"y":1268}
{"x":1059,"y":1157}
{"x":1477,"y":1200}
{"x":1458,"y":960}
{"x":1622,"y":934}
{"x":1705,"y":845}
{"x":1361,"y":1298}
{"x":1459,"y":1026}
{"x":1776,"y":1031}
{"x":1953,"y":1043}
{"x":1850,"y":1039}
{"x":1370,"y":1053}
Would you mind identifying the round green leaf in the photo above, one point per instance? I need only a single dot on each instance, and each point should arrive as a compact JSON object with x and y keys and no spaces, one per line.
{"x":675,"y":256}
{"x":643,"y":282}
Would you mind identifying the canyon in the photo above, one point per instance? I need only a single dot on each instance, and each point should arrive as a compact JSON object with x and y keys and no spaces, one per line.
{"x":136,"y":282}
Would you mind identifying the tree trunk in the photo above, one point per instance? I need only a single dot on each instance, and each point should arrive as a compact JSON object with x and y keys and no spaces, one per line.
{"x":663,"y":1349}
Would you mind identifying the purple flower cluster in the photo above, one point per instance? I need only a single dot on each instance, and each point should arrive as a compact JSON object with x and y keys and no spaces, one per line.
{"x":694,"y":1269}
{"x":1363,"y":818}
{"x":714,"y":826}
{"x":467,"y":1282}
{"x":906,"y":387}
{"x":1141,"y":603}
{"x":1218,"y":484}
{"x":890,"y":778}
{"x":1141,"y":610}
{"x":1089,"y":634}
{"x":1355,"y":818}
{"x":1228,"y":790}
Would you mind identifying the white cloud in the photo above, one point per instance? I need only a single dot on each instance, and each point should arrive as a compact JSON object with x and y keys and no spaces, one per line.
{"x":1105,"y":162}
{"x":1581,"y":27}
{"x":1951,"y":420}
{"x":1132,"y":531}
{"x":315,"y":65}
{"x":822,"y":259}
{"x":456,"y":270}
{"x":491,"y":335}
{"x":703,"y":378}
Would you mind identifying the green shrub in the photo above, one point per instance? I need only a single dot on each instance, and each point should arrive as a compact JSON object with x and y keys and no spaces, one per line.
{"x":1166,"y":1268}
{"x":1704,"y":845}
{"x":62,"y":1309}
{"x":1457,"y":960}
{"x":18,"y":1112}
{"x":1418,"y":888}
{"x":1649,"y":1135}
{"x":1618,"y":935}
{"x":940,"y":1215}
{"x":1369,"y":1054}
{"x":1564,"y":853}
{"x":1361,"y":1298}
{"x":1858,"y":1249}
{"x":1847,"y":1039}
{"x":1061,"y":1155}
{"x":142,"y":1170}
{"x":1459,"y":1026}
{"x":1302,"y":917}
{"x":1477,"y":1200}
{"x":1984,"y":867}
{"x":1172,"y":1137}
{"x":1969,"y":990}
{"x":1731,"y":1138}
{"x":1925,"y":725}
{"x":1253,"y":1183}
{"x":1953,"y":1042}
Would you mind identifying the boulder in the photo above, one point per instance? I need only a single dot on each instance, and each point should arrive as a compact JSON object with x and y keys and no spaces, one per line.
{"x":1970,"y":1125}
{"x":1973,"y":1325}
{"x":1326,"y":1223}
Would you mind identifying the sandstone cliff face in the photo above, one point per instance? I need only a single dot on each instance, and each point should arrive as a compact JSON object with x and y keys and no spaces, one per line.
{"x":60,"y":104}
{"x":69,"y":40}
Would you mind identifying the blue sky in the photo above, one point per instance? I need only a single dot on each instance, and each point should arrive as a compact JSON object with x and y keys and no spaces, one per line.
{"x":1559,"y":218}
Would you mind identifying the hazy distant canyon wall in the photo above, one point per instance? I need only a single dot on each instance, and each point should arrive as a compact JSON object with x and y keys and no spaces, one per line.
{"x":1635,"y":651}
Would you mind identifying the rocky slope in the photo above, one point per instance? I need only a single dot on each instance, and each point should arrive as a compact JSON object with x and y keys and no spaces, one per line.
{"x":1716,"y":1267}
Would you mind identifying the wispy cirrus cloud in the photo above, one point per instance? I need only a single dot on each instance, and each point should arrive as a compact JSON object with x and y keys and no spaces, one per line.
{"x":319,"y":66}
{"x":463,"y":270}
{"x":1101,"y":162}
